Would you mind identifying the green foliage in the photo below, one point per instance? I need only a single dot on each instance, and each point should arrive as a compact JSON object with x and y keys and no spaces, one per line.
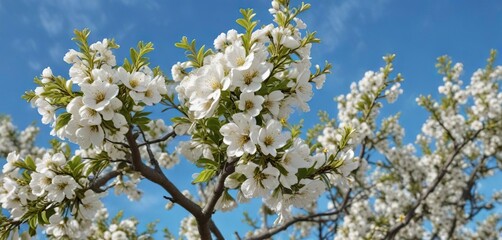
{"x":248,"y":24}
{"x":62,"y":120}
{"x":249,"y":221}
{"x":141,"y":119}
{"x":204,"y":176}
{"x":284,"y":18}
{"x":138,"y":59}
{"x":195,"y":56}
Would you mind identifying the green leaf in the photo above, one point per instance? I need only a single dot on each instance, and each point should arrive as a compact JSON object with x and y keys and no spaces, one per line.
{"x":44,"y":218}
{"x":207,"y":163}
{"x":62,"y":120}
{"x":337,"y":163}
{"x":213,"y":124}
{"x":204,"y":176}
{"x":30,"y":164}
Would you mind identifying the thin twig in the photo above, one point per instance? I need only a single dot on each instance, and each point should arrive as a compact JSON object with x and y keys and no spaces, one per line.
{"x":228,"y":169}
{"x":412,"y":211}
{"x":118,"y":143}
{"x":162,"y":139}
{"x":153,"y":161}
{"x":161,"y":179}
{"x":286,"y":225}
{"x":97,"y":183}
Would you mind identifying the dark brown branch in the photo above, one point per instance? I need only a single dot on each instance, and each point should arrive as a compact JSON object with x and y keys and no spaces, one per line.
{"x":97,"y":183}
{"x":218,"y":191}
{"x":215,"y":230}
{"x":311,"y":217}
{"x":153,"y":161}
{"x":118,"y":143}
{"x":466,"y":195}
{"x":411,"y":213}
{"x":162,"y":139}
{"x":436,"y":117}
{"x":160,"y":179}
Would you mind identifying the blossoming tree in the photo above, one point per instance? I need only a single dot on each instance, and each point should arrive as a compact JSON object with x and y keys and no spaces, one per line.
{"x":233,"y":102}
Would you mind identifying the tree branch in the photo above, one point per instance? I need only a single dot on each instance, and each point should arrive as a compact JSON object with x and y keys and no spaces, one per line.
{"x":118,"y":143}
{"x":311,"y":217}
{"x":153,"y":161}
{"x":160,"y":179}
{"x":411,"y":213}
{"x":215,"y":230}
{"x":97,"y":183}
{"x":228,"y":169}
{"x":164,"y":138}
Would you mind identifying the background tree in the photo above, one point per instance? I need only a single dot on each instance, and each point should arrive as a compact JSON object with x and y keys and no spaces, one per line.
{"x":234,"y":103}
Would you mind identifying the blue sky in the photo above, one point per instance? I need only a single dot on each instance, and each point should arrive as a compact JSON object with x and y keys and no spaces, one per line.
{"x":355,"y":35}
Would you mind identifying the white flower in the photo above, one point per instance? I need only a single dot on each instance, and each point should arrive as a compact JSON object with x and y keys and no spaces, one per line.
{"x":226,"y":202}
{"x":50,"y":162}
{"x":46,"y":75}
{"x":40,"y":181}
{"x":160,"y":81}
{"x":223,"y":40}
{"x":78,"y":73}
{"x":237,"y":135}
{"x":73,"y":56}
{"x":250,"y":80}
{"x":319,"y":81}
{"x":178,"y":71}
{"x":220,"y":42}
{"x":259,"y":182}
{"x":103,"y":53}
{"x":309,"y":192}
{"x":272,"y":102}
{"x":270,"y":138}
{"x":295,"y":157}
{"x":349,"y":163}
{"x":89,"y":116}
{"x":136,"y":81}
{"x":250,"y":103}
{"x":299,"y":23}
{"x":261,"y":35}
{"x":57,"y":226}
{"x":11,"y":159}
{"x":105,"y":74}
{"x":284,"y":37}
{"x":90,"y":204}
{"x":45,"y":109}
{"x":303,"y":89}
{"x":98,"y":94}
{"x":210,"y":79}
{"x":109,"y":111}
{"x":151,"y":95}
{"x":88,"y":135}
{"x":237,"y":59}
{"x":62,"y":187}
{"x":205,"y":107}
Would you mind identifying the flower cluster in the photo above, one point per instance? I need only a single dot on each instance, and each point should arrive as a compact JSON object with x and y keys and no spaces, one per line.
{"x":118,"y":228}
{"x":241,"y":95}
{"x":22,"y":142}
{"x":460,"y":142}
{"x":51,"y":188}
{"x":96,"y":101}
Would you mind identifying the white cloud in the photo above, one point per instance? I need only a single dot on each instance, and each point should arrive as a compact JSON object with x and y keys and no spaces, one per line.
{"x":25,"y":45}
{"x":149,"y":4}
{"x":56,"y":52}
{"x":120,"y":35}
{"x":51,"y":22}
{"x":336,"y":21}
{"x":63,"y":16}
{"x":34,"y":65}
